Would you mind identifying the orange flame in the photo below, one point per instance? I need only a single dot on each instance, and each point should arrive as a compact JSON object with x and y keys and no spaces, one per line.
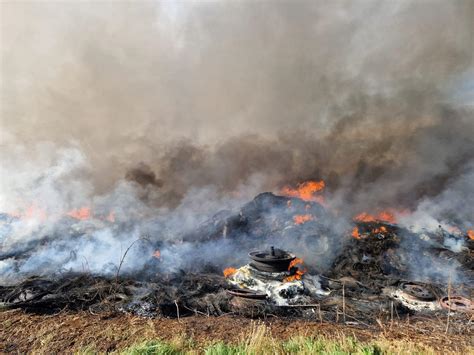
{"x":302,"y":218}
{"x":382,"y":229}
{"x":355,"y":233}
{"x":81,"y":214}
{"x":453,"y":230}
{"x":229,"y":272}
{"x":299,"y":273}
{"x":35,"y":212}
{"x":31,"y":212}
{"x":157,"y":254}
{"x":305,"y":191}
{"x":384,"y":216}
{"x":470,"y":234}
{"x":294,"y":262}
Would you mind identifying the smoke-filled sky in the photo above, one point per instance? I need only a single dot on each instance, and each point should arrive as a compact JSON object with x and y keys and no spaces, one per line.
{"x":375,"y":97}
{"x":167,"y":112}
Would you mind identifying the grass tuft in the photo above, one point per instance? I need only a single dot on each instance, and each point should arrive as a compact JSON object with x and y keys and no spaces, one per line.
{"x":258,"y":340}
{"x":224,"y":349}
{"x":153,"y":347}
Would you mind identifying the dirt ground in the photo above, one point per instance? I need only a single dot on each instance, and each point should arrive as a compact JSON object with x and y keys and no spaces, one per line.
{"x":68,"y":332}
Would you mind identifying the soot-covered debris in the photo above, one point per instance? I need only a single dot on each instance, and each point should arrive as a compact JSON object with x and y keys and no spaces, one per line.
{"x":182,"y":294}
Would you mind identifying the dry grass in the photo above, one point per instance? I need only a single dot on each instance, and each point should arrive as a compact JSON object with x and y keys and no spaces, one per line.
{"x":86,"y":333}
{"x":258,"y":340}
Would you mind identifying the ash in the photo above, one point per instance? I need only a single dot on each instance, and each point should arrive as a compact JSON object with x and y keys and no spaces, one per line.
{"x":278,"y":291}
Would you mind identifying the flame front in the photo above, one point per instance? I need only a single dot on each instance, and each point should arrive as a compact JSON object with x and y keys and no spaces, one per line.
{"x":302,"y":218}
{"x":384,"y":216}
{"x":33,"y":211}
{"x":306,"y":191}
{"x":229,"y":272}
{"x":378,"y":230}
{"x":81,"y":214}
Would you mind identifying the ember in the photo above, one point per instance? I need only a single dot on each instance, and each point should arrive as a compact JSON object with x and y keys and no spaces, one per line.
{"x":300,"y":219}
{"x":381,"y":229}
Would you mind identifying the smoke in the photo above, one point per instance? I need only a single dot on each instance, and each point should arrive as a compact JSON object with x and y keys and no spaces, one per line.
{"x":178,"y":110}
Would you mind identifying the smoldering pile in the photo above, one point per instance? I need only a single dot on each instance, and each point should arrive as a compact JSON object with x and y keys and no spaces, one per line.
{"x":319,"y":99}
{"x":380,"y":270}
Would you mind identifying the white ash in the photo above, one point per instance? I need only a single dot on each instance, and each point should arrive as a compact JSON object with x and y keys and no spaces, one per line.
{"x":279,"y":291}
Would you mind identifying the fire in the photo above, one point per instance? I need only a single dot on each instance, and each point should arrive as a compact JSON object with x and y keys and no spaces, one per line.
{"x":355,"y":233}
{"x":294,"y":262}
{"x":31,"y":212}
{"x":305,"y":191}
{"x":453,"y":230}
{"x":111,"y":217}
{"x":382,"y":229}
{"x":299,"y":273}
{"x":157,"y":254}
{"x":384,"y":216}
{"x":229,"y":272}
{"x":82,"y":213}
{"x":302,"y":218}
{"x":470,"y":234}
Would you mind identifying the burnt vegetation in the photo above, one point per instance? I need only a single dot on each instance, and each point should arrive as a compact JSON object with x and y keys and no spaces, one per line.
{"x":361,"y":284}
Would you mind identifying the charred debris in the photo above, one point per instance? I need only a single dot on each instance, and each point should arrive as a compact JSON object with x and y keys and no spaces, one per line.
{"x":307,"y":264}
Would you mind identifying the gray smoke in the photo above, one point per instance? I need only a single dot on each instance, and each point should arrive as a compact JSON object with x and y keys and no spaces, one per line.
{"x":175,"y":110}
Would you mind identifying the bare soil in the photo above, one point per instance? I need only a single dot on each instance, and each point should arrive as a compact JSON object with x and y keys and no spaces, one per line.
{"x":68,"y":332}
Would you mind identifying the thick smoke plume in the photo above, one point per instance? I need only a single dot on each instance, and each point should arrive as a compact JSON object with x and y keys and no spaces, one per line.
{"x":178,"y":110}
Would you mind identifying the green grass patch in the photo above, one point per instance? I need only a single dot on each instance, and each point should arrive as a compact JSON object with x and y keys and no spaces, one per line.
{"x":259,"y":341}
{"x":153,"y":347}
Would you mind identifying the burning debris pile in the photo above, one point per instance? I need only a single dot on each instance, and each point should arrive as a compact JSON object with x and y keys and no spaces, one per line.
{"x":370,"y":268}
{"x":136,"y":155}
